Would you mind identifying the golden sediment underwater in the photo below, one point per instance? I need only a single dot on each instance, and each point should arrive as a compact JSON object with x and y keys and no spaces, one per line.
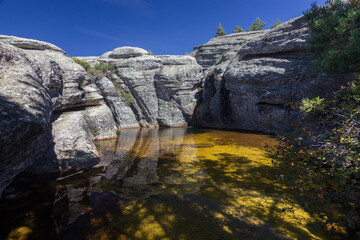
{"x":176,"y":183}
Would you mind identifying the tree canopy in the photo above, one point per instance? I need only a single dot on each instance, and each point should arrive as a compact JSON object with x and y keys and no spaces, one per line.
{"x":220,"y":31}
{"x":238,"y":29}
{"x":257,"y":25}
{"x":277,"y":23}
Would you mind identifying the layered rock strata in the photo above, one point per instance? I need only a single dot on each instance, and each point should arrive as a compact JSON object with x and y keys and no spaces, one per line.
{"x":147,"y":90}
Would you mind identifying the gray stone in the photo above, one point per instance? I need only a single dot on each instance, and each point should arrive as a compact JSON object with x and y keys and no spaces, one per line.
{"x":163,"y":88}
{"x":73,"y":145}
{"x":92,"y":96}
{"x":26,"y":107}
{"x":30,"y":44}
{"x":252,"y":89}
{"x":126,"y":52}
{"x":122,"y":112}
{"x":100,"y":121}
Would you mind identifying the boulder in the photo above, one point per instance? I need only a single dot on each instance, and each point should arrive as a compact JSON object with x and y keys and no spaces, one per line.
{"x":100,"y":121}
{"x":30,"y":44}
{"x":73,"y":145}
{"x":126,"y":52}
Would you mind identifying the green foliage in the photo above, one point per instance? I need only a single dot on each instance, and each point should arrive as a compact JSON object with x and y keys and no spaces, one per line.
{"x":117,"y":85}
{"x":277,"y":23}
{"x":257,"y":25}
{"x":84,"y":64}
{"x":127,"y":98}
{"x":100,"y":70}
{"x":354,"y":3}
{"x":220,"y":31}
{"x":238,"y":29}
{"x":150,"y":53}
{"x":308,"y":105}
{"x":322,"y":156}
{"x":335,"y":38}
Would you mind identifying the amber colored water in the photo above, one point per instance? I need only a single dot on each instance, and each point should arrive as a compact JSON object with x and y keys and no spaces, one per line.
{"x":164,"y":184}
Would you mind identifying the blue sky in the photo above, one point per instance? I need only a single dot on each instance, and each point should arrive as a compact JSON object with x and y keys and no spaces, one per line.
{"x":92,"y":27}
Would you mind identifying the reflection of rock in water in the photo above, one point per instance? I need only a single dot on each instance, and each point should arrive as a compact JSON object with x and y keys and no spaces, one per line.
{"x":129,"y":168}
{"x":118,"y":155}
{"x":132,"y":162}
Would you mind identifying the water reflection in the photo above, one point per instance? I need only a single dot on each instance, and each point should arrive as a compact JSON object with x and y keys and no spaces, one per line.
{"x":171,"y":183}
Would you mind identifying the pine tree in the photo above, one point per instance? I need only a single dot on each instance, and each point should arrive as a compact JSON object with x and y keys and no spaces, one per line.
{"x":277,"y":23}
{"x":238,"y":29}
{"x":257,"y":25}
{"x":220,"y":31}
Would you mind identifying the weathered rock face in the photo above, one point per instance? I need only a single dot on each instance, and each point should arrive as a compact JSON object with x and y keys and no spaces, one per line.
{"x":252,"y":89}
{"x":123,"y":114}
{"x":63,"y":78}
{"x":73,"y":145}
{"x":37,"y":78}
{"x":149,"y":91}
{"x":25,"y":114}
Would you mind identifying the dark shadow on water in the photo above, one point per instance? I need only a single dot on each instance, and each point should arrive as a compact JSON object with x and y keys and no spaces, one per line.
{"x":163,"y":217}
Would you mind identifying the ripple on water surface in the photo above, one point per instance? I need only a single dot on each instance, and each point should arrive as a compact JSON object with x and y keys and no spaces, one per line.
{"x":165,"y":184}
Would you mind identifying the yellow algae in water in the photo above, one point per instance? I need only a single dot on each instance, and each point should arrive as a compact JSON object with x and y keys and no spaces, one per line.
{"x":211,"y":184}
{"x":247,"y":176}
{"x":20,"y":233}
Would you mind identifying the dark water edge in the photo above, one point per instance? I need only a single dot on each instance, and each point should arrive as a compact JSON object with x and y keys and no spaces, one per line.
{"x":163,"y":184}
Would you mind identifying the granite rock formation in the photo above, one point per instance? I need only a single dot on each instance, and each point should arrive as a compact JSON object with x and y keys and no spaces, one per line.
{"x":147,"y":90}
{"x":51,"y":110}
{"x":25,"y":114}
{"x":38,"y":79}
{"x":253,"y":78}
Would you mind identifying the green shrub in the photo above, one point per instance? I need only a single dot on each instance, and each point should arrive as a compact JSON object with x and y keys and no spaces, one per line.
{"x":100,"y":70}
{"x":117,"y":85}
{"x":308,"y":105}
{"x":84,"y":64}
{"x":257,"y":25}
{"x":335,"y":39}
{"x":127,"y":98}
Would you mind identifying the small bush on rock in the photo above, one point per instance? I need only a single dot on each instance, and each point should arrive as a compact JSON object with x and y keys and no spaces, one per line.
{"x":99,"y":70}
{"x":84,"y":64}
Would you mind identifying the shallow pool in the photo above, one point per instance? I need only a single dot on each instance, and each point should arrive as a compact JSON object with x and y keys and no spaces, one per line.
{"x":174,"y":183}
